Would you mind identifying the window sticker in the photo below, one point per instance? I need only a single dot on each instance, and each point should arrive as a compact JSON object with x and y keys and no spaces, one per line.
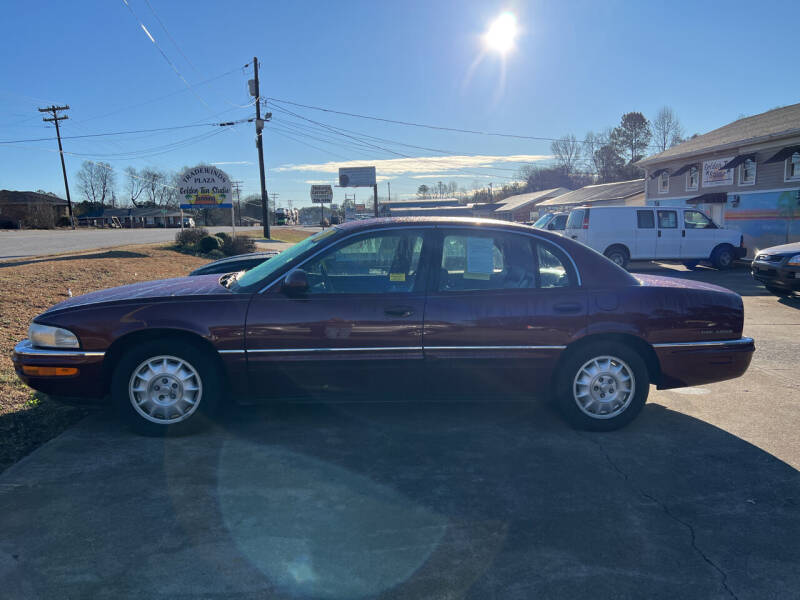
{"x":397,"y":276}
{"x":480,"y":258}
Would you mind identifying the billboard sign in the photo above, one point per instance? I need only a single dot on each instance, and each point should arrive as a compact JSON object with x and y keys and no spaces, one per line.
{"x":357,"y":177}
{"x":714,"y":174}
{"x":205,"y":187}
{"x":321,"y":194}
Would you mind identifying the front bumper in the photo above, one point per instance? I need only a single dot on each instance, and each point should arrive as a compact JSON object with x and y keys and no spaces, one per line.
{"x":90,"y":382}
{"x":696,"y":363}
{"x":775,"y":274}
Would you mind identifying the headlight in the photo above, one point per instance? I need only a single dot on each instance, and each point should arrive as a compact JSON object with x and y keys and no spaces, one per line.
{"x":794,"y":261}
{"x":44,"y":336}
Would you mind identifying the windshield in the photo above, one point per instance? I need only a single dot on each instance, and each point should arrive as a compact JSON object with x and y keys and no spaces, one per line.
{"x":266,"y":269}
{"x":542,"y":221}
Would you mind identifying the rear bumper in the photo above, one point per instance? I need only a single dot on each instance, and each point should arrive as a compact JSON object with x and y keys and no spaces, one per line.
{"x":90,"y":382}
{"x":696,"y":363}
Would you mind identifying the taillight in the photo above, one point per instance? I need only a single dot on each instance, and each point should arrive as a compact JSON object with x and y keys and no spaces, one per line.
{"x":586,"y":219}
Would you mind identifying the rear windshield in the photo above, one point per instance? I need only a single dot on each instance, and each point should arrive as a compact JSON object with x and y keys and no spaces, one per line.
{"x":575,"y":220}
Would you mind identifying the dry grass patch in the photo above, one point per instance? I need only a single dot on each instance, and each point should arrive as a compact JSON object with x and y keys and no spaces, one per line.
{"x":28,"y":287}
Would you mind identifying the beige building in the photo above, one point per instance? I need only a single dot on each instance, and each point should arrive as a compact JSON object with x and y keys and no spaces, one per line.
{"x":619,"y":193}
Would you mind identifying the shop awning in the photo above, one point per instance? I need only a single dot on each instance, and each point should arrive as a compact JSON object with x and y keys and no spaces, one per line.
{"x":658,"y":172}
{"x":684,"y":168}
{"x":712,"y":198}
{"x":784,"y":154}
{"x":739,"y":160}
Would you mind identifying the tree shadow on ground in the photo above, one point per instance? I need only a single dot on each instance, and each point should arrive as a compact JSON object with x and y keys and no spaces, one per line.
{"x":108,"y":254}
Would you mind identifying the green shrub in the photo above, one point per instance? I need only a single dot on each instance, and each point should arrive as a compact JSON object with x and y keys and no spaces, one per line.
{"x":190,"y":236}
{"x":209,"y":243}
{"x":222,"y":235}
{"x":238,"y":245}
{"x":215,"y":254}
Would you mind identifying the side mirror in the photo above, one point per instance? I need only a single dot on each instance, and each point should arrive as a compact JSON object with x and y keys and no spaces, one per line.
{"x":295,"y":284}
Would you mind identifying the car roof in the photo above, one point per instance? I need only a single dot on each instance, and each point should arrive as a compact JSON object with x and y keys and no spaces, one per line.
{"x":354,"y":226}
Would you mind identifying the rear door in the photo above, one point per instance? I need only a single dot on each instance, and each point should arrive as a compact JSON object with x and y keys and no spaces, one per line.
{"x":574,"y":228}
{"x":644,"y":246}
{"x":500,"y":309}
{"x":699,"y":235}
{"x":668,"y":242}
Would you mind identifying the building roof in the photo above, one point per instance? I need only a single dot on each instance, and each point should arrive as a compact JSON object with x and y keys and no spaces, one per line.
{"x":20,"y":197}
{"x":776,"y":123}
{"x":521,"y":200}
{"x":603,"y":192}
{"x":428,"y":202}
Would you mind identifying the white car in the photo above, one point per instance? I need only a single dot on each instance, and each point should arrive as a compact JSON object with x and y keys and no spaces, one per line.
{"x":625,"y":233}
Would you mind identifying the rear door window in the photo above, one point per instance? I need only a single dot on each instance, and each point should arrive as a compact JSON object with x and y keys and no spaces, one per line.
{"x":486,"y":261}
{"x":645,"y":219}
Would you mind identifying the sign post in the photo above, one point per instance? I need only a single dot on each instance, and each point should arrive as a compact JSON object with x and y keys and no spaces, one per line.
{"x":320,"y":194}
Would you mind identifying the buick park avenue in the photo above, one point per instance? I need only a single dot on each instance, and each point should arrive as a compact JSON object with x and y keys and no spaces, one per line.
{"x":418,"y":308}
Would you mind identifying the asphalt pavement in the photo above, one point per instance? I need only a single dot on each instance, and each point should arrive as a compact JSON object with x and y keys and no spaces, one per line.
{"x":698,"y":498}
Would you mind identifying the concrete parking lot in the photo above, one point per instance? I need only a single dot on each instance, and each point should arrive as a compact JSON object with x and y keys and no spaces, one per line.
{"x":698,"y":498}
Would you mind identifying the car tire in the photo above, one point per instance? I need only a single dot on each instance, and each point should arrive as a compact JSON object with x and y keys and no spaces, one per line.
{"x":691,"y":264}
{"x":188,"y":377}
{"x":602,"y":386}
{"x":722,"y":257}
{"x":618,"y":255}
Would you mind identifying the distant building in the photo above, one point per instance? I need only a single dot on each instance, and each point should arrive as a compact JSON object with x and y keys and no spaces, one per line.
{"x":619,"y":193}
{"x":132,"y":218}
{"x":745,"y":175}
{"x":523,"y":207}
{"x":442,"y":207}
{"x":30,"y":209}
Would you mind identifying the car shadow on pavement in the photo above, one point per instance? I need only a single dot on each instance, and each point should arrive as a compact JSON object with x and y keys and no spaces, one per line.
{"x":401,"y":500}
{"x":108,"y":254}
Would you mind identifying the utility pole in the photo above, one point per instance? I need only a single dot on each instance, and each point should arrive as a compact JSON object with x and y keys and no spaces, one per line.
{"x":260,"y":146}
{"x":236,"y":184}
{"x":375,"y":193}
{"x":389,"y":188}
{"x":55,"y":119}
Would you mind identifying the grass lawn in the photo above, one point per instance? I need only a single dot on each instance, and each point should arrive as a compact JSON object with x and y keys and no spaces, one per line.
{"x":28,"y":287}
{"x":292,"y":236}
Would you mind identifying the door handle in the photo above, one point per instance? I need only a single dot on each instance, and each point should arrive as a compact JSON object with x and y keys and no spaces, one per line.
{"x":683,"y":233}
{"x":567,"y":307}
{"x":574,"y":237}
{"x":659,"y":233}
{"x":399,"y":311}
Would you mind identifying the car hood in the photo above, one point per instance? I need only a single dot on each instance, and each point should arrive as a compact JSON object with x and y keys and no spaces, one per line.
{"x":201,"y":285}
{"x":793,"y":248}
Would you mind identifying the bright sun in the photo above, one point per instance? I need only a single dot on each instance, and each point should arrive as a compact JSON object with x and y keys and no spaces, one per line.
{"x":501,"y":34}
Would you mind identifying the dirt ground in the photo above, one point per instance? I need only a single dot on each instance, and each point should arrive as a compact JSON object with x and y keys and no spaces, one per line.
{"x":28,"y":287}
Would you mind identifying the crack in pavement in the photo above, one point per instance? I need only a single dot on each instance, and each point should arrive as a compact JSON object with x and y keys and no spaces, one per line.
{"x":667,"y":511}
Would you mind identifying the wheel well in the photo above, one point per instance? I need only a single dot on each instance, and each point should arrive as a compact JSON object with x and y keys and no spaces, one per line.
{"x":720,"y":246}
{"x":644,"y":349}
{"x":622,"y":247}
{"x":121,"y":345}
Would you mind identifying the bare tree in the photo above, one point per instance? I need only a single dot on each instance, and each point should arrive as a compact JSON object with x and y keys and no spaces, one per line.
{"x":134,"y":185}
{"x":667,"y":130}
{"x":592,"y":143}
{"x":158,"y":187}
{"x":567,"y":152}
{"x":96,"y":181}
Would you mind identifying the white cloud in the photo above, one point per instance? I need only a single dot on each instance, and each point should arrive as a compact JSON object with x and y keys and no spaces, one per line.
{"x":233,"y":162}
{"x":449,"y":176}
{"x":439,"y":165}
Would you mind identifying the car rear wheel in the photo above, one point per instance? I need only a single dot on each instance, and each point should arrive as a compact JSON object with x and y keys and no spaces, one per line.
{"x":602,"y":386}
{"x":618,"y":255}
{"x":165,"y":387}
{"x":722,"y":258}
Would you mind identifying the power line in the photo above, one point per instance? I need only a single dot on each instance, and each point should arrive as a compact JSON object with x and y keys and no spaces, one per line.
{"x":169,"y":35}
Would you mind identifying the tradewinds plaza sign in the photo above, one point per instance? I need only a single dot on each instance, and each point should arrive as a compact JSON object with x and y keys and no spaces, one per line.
{"x":205,"y":187}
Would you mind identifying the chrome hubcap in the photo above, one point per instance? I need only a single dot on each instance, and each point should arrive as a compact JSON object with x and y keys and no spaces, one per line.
{"x":604,"y":387}
{"x":616,"y":258}
{"x":165,"y":389}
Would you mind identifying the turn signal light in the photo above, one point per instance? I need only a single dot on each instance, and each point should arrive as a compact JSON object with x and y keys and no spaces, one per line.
{"x":49,"y":371}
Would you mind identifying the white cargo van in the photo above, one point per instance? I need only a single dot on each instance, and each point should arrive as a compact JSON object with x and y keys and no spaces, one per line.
{"x":625,"y":233}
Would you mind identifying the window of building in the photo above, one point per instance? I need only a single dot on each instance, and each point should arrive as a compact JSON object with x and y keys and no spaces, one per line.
{"x":667,"y":219}
{"x":645,"y":219}
{"x":793,"y":167}
{"x":663,"y":183}
{"x":747,"y":172}
{"x":692,"y":178}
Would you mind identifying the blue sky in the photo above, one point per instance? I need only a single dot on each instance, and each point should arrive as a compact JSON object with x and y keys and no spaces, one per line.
{"x":577,"y":66}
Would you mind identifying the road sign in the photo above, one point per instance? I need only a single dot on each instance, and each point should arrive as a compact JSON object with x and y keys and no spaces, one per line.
{"x":205,"y":187}
{"x":357,"y":177}
{"x":321,"y":194}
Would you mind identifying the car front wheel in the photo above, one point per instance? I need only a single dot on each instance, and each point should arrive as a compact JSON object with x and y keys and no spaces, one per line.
{"x":163,"y":387}
{"x":602,"y":386}
{"x":722,"y":258}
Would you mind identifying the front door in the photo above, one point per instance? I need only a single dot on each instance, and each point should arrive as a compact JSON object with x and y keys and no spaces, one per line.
{"x":357,"y":329}
{"x":668,"y":242}
{"x":698,"y":235}
{"x":500,"y":310}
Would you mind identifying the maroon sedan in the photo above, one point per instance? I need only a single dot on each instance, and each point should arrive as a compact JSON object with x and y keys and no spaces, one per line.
{"x":391,"y":307}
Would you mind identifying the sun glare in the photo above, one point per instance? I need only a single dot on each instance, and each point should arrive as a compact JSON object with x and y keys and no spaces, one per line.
{"x":501,"y":34}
